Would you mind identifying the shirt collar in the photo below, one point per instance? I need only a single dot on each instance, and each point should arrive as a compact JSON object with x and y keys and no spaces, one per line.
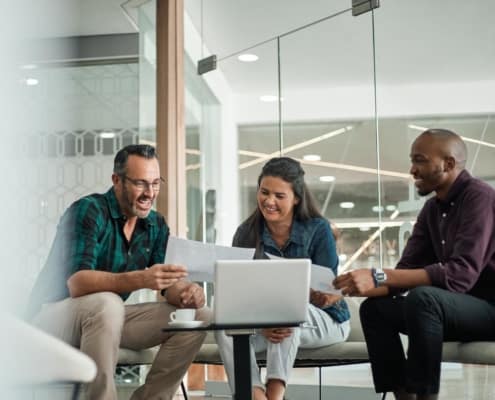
{"x":116,"y":212}
{"x":457,"y":187}
{"x":296,"y":233}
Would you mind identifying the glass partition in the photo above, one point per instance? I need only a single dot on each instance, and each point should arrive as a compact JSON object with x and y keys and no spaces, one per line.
{"x":446,"y":84}
{"x":327,"y":116}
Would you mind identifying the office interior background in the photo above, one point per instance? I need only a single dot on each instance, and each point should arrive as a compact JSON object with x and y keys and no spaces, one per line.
{"x":346,"y":95}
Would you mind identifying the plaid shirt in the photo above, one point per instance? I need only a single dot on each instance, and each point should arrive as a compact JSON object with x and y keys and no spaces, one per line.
{"x":90,"y":236}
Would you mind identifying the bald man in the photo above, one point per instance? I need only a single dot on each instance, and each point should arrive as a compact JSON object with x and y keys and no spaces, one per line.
{"x":447,"y":267}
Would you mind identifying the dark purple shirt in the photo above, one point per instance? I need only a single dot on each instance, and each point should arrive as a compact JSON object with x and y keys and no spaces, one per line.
{"x":454,"y":239}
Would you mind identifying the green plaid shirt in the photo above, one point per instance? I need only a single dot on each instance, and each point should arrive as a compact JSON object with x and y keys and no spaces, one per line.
{"x":90,"y":236}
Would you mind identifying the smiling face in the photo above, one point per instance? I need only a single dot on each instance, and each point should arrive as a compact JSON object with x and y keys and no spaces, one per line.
{"x":430,"y":167}
{"x":276,"y":200}
{"x":133,"y":200}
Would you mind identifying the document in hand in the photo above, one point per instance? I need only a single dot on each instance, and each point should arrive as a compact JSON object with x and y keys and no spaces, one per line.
{"x":321,"y":277}
{"x":199,"y":258}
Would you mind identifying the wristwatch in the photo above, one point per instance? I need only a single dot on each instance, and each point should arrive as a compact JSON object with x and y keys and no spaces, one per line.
{"x":379,"y":276}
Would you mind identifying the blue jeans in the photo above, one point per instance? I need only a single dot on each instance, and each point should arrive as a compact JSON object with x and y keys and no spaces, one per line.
{"x":429,"y":316}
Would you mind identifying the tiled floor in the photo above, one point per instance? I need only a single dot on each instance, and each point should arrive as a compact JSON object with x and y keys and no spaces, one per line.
{"x":459,"y":382}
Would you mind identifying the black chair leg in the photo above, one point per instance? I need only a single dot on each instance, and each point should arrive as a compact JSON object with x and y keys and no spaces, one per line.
{"x":184,"y":392}
{"x":384,"y":395}
{"x":75,"y":391}
{"x":319,"y":386}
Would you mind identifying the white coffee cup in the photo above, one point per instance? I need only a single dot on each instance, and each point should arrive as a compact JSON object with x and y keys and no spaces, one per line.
{"x":183,"y":315}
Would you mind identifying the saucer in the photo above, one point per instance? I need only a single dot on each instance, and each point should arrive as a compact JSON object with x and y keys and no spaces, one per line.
{"x":185,"y":324}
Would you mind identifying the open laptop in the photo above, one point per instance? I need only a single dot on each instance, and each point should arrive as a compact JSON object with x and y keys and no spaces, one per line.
{"x":261,"y":292}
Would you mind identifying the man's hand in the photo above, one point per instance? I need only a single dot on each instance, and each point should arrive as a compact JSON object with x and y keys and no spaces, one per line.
{"x":355,"y":283}
{"x":322,"y":299}
{"x":162,"y":276}
{"x":192,"y":296}
{"x":185,"y":294}
{"x":276,"y":335}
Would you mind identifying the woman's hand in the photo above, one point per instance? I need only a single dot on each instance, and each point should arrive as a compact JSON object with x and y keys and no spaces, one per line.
{"x":276,"y":335}
{"x":322,"y":299}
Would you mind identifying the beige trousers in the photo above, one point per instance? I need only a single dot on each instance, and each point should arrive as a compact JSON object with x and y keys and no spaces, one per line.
{"x":100,"y":323}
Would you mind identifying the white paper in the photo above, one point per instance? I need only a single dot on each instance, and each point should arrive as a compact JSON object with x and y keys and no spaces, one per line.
{"x":321,"y":278}
{"x":199,"y":258}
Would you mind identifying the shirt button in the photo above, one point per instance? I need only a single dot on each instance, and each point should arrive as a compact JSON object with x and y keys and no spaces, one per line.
{"x":443,"y":242}
{"x":444,"y":215}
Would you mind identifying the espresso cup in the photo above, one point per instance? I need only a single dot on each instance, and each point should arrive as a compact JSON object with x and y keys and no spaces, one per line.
{"x":183,"y":314}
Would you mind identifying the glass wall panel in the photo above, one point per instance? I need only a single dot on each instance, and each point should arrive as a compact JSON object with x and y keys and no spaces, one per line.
{"x":447,"y":83}
{"x":328,"y":125}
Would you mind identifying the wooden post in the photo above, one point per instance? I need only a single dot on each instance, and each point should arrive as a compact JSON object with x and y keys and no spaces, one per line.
{"x":170,"y":135}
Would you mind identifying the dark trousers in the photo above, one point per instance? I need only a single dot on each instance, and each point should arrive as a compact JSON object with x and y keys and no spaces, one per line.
{"x":429,"y":316}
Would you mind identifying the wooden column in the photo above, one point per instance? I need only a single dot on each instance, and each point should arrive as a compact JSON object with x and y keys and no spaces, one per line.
{"x":170,"y":140}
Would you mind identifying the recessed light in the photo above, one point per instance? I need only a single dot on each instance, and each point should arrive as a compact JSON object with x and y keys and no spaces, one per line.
{"x":248,"y":57}
{"x":107,"y":135}
{"x":312,"y":157}
{"x":364,"y":228}
{"x":391,"y":207}
{"x":327,"y":178}
{"x":377,"y":208}
{"x":269,"y":98}
{"x":31,"y":81}
{"x":29,"y":66}
{"x":346,"y":204}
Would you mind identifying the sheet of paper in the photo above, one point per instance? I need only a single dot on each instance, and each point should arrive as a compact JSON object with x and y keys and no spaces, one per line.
{"x":199,"y":257}
{"x":321,"y":278}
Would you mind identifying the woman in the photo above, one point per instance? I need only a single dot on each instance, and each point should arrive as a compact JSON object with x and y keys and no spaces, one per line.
{"x":287,"y":223}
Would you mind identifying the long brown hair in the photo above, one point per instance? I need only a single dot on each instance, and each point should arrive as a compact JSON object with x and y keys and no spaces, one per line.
{"x":291,"y":172}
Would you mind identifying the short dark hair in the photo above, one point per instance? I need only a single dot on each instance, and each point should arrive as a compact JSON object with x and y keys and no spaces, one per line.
{"x":141,"y":150}
{"x":454,"y":146}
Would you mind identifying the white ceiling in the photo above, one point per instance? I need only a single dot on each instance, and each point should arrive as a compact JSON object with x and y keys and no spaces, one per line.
{"x":419,"y":41}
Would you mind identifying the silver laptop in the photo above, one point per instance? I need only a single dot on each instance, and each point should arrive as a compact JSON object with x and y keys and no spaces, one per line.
{"x":251,"y":292}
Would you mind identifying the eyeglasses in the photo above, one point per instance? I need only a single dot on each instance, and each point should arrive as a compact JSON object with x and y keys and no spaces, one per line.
{"x":143,"y":185}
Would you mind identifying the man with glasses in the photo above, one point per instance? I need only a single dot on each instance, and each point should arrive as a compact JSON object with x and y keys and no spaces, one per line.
{"x":107,"y":246}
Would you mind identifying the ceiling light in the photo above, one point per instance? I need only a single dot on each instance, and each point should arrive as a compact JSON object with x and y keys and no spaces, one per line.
{"x":364,"y":228}
{"x":269,"y":98}
{"x":395,"y":214}
{"x":483,"y":143}
{"x":312,"y":157}
{"x":29,"y":66}
{"x":31,"y":81}
{"x":346,"y":204}
{"x":342,"y":257}
{"x":107,"y":135}
{"x":417,"y":127}
{"x":390,"y":207}
{"x":248,"y":57}
{"x":377,"y":208}
{"x":327,"y":178}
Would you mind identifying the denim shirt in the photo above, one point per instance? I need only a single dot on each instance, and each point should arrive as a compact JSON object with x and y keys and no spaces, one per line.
{"x":311,"y":239}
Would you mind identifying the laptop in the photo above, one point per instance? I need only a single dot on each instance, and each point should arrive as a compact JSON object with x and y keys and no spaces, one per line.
{"x":261,"y":292}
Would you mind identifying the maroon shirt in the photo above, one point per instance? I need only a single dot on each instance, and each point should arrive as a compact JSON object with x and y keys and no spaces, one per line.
{"x":454,"y":239}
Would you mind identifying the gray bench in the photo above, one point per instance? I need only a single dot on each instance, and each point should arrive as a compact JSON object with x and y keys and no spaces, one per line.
{"x":353,"y":351}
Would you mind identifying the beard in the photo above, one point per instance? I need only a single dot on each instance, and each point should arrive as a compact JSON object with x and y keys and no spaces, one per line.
{"x":130,"y":206}
{"x":431,"y":182}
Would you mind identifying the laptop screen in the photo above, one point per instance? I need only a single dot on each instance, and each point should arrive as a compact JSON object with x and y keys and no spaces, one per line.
{"x":261,"y":291}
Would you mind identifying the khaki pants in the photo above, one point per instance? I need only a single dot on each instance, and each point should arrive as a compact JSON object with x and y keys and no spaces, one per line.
{"x":100,"y":323}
